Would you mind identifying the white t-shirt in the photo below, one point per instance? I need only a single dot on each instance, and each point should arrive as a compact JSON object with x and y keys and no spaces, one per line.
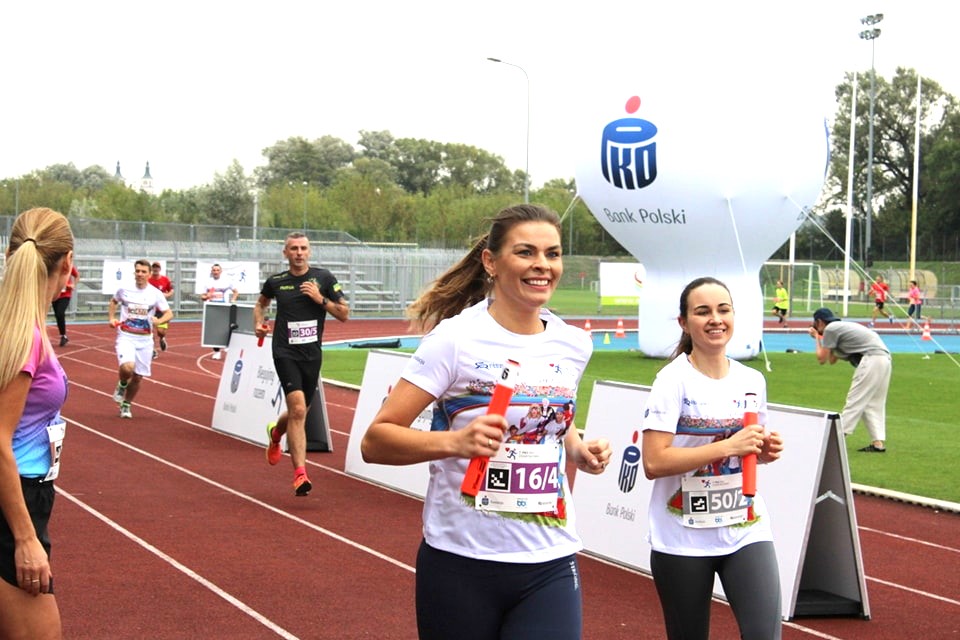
{"x":137,"y":306}
{"x":218,"y":288}
{"x":459,"y":363}
{"x":700,"y":410}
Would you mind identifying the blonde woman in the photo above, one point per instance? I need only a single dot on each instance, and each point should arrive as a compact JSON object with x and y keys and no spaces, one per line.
{"x":33,"y":388}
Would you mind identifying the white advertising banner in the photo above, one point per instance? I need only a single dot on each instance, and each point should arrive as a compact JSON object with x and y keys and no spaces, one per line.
{"x":382,"y":370}
{"x":245,"y":276}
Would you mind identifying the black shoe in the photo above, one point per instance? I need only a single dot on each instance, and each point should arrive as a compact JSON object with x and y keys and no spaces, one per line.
{"x":64,"y":340}
{"x":155,"y":354}
{"x":872,"y":449}
{"x":163,"y":344}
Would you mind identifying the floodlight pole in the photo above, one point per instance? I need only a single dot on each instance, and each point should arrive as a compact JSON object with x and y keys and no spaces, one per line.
{"x":526,"y":170}
{"x":871,"y":35}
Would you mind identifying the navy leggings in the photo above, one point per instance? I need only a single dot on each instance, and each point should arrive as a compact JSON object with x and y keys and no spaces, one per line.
{"x":751,"y":583}
{"x":461,"y":598}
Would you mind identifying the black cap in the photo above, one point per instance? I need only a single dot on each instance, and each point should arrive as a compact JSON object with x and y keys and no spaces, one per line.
{"x":156,"y":264}
{"x":824,"y":314}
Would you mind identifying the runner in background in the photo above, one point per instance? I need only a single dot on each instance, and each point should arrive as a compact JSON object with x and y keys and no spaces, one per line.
{"x":219,"y":288}
{"x":162,"y":283}
{"x":880,"y":291}
{"x":62,"y":302}
{"x":781,"y":302}
{"x":138,"y":313}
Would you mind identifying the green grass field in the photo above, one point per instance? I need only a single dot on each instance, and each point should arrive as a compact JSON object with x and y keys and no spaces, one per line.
{"x":924,"y":448}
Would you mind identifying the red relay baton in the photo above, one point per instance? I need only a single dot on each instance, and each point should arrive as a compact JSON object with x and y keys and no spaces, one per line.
{"x":265,"y":328}
{"x":749,"y":461}
{"x":477,"y":469}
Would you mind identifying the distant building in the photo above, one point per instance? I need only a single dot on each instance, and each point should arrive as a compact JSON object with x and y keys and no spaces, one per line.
{"x":117,"y":175}
{"x":146,"y":182}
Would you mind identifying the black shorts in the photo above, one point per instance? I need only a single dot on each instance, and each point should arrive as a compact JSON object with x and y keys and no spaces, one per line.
{"x":298,"y":375}
{"x":39,"y":498}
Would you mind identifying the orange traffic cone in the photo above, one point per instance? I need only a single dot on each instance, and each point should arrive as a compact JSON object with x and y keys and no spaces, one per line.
{"x":926,"y":331}
{"x":586,"y":325}
{"x":620,"y":332}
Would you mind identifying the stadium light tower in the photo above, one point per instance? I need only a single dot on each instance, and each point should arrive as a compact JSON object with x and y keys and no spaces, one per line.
{"x":871,"y":34}
{"x":526,"y":170}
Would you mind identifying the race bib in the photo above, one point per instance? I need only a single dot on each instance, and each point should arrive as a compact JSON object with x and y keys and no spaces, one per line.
{"x":714,"y":501}
{"x":522,"y":478}
{"x":56,"y":433}
{"x":302,"y":332}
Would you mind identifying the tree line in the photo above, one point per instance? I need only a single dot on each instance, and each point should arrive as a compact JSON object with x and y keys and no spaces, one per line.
{"x":439,"y":194}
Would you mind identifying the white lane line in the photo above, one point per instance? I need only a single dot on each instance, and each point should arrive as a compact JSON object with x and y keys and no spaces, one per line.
{"x":193,"y":575}
{"x":909,"y":539}
{"x":259,"y":503}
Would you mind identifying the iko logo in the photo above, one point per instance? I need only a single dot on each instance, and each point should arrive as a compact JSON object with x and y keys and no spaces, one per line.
{"x":630,"y":466}
{"x":628,"y":153}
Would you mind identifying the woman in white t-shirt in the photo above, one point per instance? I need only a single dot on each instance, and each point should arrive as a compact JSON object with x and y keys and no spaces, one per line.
{"x":701,"y":524}
{"x":500,"y":563}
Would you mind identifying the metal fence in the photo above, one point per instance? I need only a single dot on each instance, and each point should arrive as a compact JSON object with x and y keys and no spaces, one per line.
{"x":377,"y":279}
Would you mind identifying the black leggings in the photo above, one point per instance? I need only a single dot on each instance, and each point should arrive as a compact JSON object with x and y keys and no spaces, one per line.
{"x":461,"y":598}
{"x":60,"y":313}
{"x":751,"y":583}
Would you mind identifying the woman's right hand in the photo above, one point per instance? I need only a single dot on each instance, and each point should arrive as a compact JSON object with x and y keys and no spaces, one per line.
{"x":482,"y":437}
{"x":746,"y":441}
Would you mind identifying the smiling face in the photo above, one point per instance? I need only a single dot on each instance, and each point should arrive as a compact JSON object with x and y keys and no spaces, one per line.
{"x":709,"y":317}
{"x":528,"y":267}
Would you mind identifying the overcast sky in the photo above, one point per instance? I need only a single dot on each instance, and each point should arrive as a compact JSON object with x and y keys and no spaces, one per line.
{"x":191,"y":86}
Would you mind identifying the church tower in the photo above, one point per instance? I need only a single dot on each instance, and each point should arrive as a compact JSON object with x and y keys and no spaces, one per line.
{"x":117,"y":175}
{"x":146,"y":183}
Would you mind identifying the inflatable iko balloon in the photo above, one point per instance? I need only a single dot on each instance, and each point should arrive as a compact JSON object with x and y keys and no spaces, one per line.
{"x":699,"y":185}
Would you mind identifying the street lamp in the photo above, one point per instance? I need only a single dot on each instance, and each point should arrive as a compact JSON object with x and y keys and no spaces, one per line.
{"x":870,"y":34}
{"x":304,"y":206}
{"x":526,"y":170}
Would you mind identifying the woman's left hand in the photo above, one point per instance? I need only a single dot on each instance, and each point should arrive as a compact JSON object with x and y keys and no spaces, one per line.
{"x":594,"y":456}
{"x":772,"y":447}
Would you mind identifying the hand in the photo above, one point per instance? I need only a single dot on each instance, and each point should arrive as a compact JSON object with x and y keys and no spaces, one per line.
{"x":33,"y":567}
{"x":594,"y":456}
{"x":746,"y":441}
{"x":772,"y":447}
{"x":114,"y":322}
{"x":813,"y":332}
{"x":482,"y":437}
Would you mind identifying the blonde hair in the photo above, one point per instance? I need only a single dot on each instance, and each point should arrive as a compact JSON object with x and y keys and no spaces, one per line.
{"x":39,"y":240}
{"x":466,"y":283}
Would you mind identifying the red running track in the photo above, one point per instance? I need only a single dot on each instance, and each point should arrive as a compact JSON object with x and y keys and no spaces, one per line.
{"x":164,"y":528}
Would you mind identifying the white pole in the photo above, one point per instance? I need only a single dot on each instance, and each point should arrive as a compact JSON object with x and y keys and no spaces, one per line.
{"x":846,"y":245}
{"x":916,"y":181}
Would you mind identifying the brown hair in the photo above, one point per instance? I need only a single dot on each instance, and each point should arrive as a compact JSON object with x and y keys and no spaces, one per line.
{"x":466,"y":282}
{"x":39,"y":240}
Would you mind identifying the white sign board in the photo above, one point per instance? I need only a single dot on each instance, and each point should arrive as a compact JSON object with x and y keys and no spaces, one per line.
{"x":621,"y":282}
{"x":381,"y":372}
{"x":245,"y":276}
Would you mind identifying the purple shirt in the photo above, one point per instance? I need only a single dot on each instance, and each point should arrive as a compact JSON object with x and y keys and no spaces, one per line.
{"x":48,"y":392}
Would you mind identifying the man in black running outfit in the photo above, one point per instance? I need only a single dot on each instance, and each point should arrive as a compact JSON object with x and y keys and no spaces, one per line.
{"x":304,"y":296}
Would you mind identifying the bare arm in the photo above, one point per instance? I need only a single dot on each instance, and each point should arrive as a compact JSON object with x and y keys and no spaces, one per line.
{"x":390,"y":440}
{"x":29,"y":556}
{"x":661,"y":458}
{"x":259,"y":315}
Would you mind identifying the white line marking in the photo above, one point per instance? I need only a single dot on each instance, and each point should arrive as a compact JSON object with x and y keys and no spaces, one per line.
{"x":193,"y":575}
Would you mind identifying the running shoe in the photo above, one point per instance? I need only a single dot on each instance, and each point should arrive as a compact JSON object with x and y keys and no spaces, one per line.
{"x":273,"y":448}
{"x":125,"y":410}
{"x":155,"y":354}
{"x":119,"y":393}
{"x":163,"y":344}
{"x":301,"y":485}
{"x":64,"y":340}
